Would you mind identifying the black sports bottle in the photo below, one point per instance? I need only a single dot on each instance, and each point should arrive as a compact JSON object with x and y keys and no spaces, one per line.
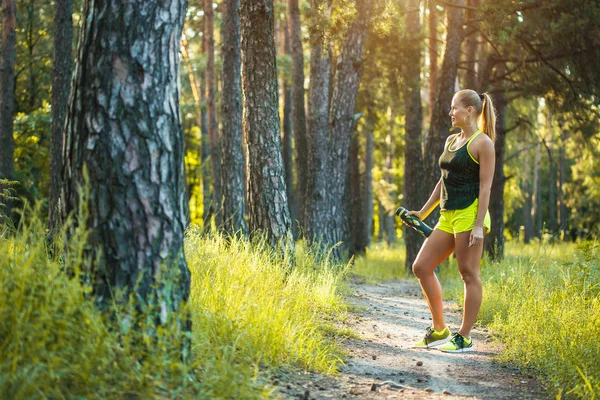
{"x":414,"y":222}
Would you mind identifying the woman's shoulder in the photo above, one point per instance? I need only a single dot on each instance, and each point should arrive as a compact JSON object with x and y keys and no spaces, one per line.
{"x":482,"y":143}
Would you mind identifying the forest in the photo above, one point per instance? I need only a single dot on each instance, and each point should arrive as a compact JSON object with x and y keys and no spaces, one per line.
{"x":193,"y":192}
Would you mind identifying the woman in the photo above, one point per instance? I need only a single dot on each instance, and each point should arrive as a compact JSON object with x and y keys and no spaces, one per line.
{"x":463,"y":193}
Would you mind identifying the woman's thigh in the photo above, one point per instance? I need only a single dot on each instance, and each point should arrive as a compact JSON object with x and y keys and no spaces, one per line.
{"x":437,"y":247}
{"x":468,"y":258}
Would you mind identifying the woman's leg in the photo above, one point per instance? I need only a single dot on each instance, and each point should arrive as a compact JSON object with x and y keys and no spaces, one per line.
{"x":436,"y":249}
{"x":469,"y":260}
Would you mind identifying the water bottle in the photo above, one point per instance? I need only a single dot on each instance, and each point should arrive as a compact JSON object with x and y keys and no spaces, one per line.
{"x":414,"y":222}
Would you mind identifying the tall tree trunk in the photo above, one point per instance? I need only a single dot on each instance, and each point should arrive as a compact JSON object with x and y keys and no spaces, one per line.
{"x":61,"y":84}
{"x":298,"y":112}
{"x":123,"y":131}
{"x":368,"y":179}
{"x":471,"y":49}
{"x":440,"y":121}
{"x":494,"y":241}
{"x":268,"y":206}
{"x":231,"y":111}
{"x":388,"y":166}
{"x":551,"y":176}
{"x":433,"y":53}
{"x":315,"y":218}
{"x":341,"y":120}
{"x":526,"y":189}
{"x":7,"y":94}
{"x":207,"y":203}
{"x":354,"y":200}
{"x":536,"y":211}
{"x":414,"y":189}
{"x":288,"y":159}
{"x":213,"y":125}
{"x":381,"y":220}
{"x":562,"y":178}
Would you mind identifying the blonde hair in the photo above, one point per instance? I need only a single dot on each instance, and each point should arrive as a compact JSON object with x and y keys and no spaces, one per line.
{"x":484,"y":108}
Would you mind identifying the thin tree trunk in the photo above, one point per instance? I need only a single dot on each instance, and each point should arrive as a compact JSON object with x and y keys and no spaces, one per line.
{"x":471,"y":49}
{"x":414,"y":189}
{"x":368,"y":179}
{"x":231,"y":112}
{"x":123,"y":132}
{"x":7,"y":94}
{"x":61,"y":84}
{"x":388,"y":167}
{"x":288,"y":160}
{"x":536,"y":211}
{"x":552,"y":220}
{"x":207,"y":203}
{"x":356,"y":217}
{"x":494,"y":241}
{"x":298,"y":112}
{"x":562,"y":178}
{"x":213,"y":125}
{"x":381,"y":220}
{"x":433,"y":53}
{"x":267,"y":206}
{"x":440,"y":121}
{"x":526,"y":189}
{"x":341,"y":120}
{"x":315,"y":218}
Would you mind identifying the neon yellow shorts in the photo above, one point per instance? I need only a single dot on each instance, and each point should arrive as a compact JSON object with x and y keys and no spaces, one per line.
{"x":457,"y":221}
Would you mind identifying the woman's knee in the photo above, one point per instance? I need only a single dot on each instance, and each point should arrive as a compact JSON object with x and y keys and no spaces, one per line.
{"x":469,"y":275}
{"x":420,"y":269}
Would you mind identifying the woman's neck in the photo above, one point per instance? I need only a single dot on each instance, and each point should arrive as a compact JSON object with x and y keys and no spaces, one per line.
{"x":468,"y":131}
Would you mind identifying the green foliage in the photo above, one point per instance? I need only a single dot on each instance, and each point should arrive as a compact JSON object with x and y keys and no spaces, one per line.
{"x":381,"y":263}
{"x":545,"y":301}
{"x":249,"y":317}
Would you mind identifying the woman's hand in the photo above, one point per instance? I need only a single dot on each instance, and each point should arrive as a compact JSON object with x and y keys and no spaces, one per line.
{"x":476,"y":237}
{"x":418,"y":214}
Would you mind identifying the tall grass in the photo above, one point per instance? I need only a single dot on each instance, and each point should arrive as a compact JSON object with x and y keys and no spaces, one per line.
{"x":251,"y":316}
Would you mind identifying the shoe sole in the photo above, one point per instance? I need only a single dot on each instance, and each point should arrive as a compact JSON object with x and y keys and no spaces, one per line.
{"x":434,"y":344}
{"x":464,"y":350}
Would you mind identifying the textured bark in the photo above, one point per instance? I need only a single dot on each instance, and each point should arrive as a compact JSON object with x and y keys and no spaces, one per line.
{"x":62,"y":66}
{"x":298,"y":112}
{"x":267,"y":199}
{"x":367,"y":181}
{"x":433,"y":52}
{"x":357,"y":221}
{"x":234,"y":204}
{"x":494,"y":241}
{"x":536,"y":210}
{"x":388,"y":166}
{"x":562,"y":178}
{"x":341,"y":119}
{"x":471,"y":50}
{"x":315,"y":218}
{"x":527,"y":205}
{"x":7,"y":91}
{"x":413,"y":188}
{"x":207,"y":205}
{"x":288,"y":159}
{"x":552,"y":215}
{"x":123,"y":132}
{"x":440,"y":121}
{"x":213,"y":125}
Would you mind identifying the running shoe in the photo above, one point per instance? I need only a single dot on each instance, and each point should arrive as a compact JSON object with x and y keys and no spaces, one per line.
{"x":458,"y":344}
{"x":434,"y":338}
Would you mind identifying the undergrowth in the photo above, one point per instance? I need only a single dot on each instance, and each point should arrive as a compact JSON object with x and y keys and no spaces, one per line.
{"x":251,"y":316}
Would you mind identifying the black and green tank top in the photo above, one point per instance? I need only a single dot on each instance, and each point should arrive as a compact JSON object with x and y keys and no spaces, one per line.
{"x":460,"y":176}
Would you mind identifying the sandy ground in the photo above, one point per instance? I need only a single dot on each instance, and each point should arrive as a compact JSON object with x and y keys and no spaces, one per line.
{"x":390,"y":318}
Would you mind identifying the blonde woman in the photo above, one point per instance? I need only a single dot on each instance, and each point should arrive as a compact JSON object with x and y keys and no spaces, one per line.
{"x":463,"y":193}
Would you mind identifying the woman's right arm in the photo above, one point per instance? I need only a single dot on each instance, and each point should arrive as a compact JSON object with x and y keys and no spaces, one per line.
{"x":431,"y":204}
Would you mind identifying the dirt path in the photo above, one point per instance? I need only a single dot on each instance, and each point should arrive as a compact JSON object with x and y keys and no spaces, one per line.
{"x":390,"y":317}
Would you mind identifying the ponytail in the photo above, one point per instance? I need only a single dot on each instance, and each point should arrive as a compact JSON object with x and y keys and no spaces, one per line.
{"x":487,"y":119}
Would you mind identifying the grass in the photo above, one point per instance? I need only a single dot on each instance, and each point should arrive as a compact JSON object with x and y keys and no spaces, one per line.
{"x":251,"y":319}
{"x":542,"y":301}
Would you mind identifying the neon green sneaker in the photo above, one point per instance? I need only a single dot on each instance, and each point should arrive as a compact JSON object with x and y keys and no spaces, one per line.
{"x":458,"y":344}
{"x":434,"y":338}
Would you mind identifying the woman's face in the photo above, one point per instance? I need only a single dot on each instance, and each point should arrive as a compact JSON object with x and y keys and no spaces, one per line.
{"x":460,"y":115}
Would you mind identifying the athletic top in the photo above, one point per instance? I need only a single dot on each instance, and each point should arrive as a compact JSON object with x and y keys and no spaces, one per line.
{"x":460,"y":176}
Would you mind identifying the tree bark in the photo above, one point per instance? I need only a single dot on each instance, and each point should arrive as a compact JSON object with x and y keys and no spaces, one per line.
{"x":388,"y":166}
{"x":207,"y":203}
{"x":267,"y":205}
{"x":552,"y":220}
{"x":527,"y":205}
{"x":213,"y":125}
{"x":61,"y":84}
{"x":414,"y":189}
{"x":536,"y":211}
{"x":231,"y":111}
{"x":315,"y":218}
{"x":288,"y":159}
{"x":123,"y":139}
{"x":298,"y":112}
{"x":440,"y":121}
{"x":368,"y":179}
{"x":494,"y":241}
{"x":471,"y":50}
{"x":562,"y":177}
{"x":433,"y":54}
{"x":341,"y":120}
{"x":7,"y":94}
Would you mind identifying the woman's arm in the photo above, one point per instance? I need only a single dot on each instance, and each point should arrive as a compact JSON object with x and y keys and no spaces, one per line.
{"x":431,"y":204}
{"x":486,"y":156}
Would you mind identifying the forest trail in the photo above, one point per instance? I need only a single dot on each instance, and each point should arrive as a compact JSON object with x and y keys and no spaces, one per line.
{"x":389,"y":317}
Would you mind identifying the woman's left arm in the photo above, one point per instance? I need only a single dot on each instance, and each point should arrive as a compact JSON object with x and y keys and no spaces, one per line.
{"x":486,"y":155}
